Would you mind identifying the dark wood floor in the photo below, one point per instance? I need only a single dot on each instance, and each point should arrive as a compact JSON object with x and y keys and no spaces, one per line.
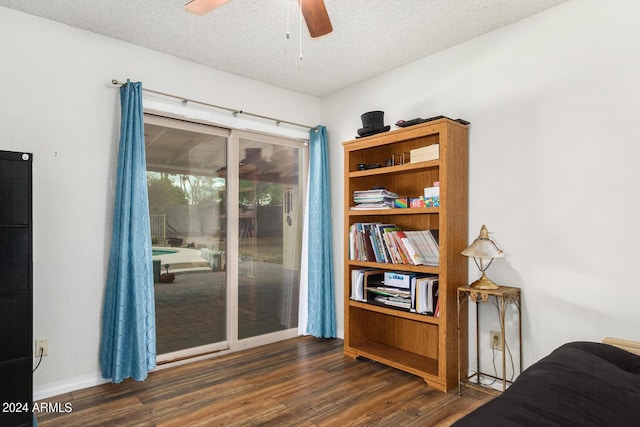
{"x":299,"y":382}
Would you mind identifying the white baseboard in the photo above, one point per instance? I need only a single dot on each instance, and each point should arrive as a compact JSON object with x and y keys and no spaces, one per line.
{"x":57,"y":388}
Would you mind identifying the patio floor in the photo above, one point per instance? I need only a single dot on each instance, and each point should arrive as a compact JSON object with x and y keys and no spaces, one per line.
{"x":191,"y":311}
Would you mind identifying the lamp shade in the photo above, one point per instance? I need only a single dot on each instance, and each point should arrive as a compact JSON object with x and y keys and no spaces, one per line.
{"x":483,"y":247}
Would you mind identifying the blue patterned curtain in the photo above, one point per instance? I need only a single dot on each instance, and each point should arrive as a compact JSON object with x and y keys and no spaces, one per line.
{"x":321,"y":300}
{"x":128,"y":345}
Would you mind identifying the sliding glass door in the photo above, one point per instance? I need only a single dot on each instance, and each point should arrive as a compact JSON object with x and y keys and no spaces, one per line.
{"x":188,"y":226}
{"x":226,"y":235}
{"x":269,"y":235}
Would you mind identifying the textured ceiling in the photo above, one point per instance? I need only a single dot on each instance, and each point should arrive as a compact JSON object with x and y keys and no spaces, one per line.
{"x":248,"y":37}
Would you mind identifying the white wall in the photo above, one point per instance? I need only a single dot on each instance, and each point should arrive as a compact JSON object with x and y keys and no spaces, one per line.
{"x":56,"y":100}
{"x":554,"y":104}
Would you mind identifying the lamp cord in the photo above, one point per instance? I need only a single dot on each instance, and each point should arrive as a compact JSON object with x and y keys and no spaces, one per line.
{"x":40,"y":360}
{"x":506,"y":345}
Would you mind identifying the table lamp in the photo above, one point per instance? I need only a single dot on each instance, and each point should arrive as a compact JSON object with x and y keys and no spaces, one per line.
{"x":484,"y":251}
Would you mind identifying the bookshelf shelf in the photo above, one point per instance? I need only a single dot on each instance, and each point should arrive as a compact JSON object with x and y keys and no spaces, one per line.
{"x":423,"y":345}
{"x":394,"y":211}
{"x":394,"y":312}
{"x":388,"y":266}
{"x":407,"y":167}
{"x":404,"y":360}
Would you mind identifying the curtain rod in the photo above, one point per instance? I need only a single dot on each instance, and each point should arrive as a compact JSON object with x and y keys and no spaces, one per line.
{"x":233,"y":111}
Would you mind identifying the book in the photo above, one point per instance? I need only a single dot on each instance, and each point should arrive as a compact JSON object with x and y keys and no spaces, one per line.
{"x":421,"y":255}
{"x":426,"y":291}
{"x":357,"y":285}
{"x":395,"y":302}
{"x":378,"y":238}
{"x":359,"y":242}
{"x":389,"y":292}
{"x":370,"y":254}
{"x":389,"y":240}
{"x":371,"y":206}
{"x":428,"y":250}
{"x":412,"y":252}
{"x":432,"y":237}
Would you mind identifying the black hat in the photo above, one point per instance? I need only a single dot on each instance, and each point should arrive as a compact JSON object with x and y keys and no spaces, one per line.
{"x":372,"y":123}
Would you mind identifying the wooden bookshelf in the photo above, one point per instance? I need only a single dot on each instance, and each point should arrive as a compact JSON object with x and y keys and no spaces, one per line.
{"x":423,"y":345}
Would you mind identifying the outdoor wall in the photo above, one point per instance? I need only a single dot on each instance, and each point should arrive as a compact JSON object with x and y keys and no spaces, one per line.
{"x":553,"y":102}
{"x":57,"y":101}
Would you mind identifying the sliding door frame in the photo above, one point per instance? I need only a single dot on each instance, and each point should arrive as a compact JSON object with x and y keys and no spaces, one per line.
{"x":232,"y":342}
{"x":175,"y":123}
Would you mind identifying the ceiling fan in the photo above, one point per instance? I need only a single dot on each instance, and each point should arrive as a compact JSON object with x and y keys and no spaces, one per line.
{"x":314,"y":12}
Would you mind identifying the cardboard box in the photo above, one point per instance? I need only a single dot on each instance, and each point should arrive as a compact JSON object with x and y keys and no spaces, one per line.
{"x":401,"y":202}
{"x":432,"y":197}
{"x":417,"y":202}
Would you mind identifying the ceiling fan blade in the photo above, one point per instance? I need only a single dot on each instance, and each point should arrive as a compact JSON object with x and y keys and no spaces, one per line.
{"x":316,"y":16}
{"x":202,"y":7}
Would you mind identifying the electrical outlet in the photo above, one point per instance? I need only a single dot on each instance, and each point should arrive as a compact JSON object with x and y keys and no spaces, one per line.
{"x":496,"y":340}
{"x":42,"y":345}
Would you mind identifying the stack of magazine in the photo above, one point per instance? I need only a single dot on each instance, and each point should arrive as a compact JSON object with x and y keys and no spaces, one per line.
{"x":374,"y":199}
